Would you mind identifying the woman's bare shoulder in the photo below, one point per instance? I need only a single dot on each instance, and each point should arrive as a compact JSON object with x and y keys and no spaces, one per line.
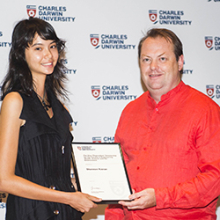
{"x":12,"y":103}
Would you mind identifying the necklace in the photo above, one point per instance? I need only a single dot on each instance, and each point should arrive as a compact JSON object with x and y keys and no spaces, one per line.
{"x":46,"y":106}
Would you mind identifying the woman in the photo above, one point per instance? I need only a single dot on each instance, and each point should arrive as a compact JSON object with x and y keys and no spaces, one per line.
{"x":35,"y":142}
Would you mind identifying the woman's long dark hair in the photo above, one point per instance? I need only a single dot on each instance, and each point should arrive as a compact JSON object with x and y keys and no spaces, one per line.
{"x":19,"y":77}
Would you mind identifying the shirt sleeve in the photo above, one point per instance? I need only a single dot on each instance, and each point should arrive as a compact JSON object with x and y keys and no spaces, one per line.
{"x":203,"y":188}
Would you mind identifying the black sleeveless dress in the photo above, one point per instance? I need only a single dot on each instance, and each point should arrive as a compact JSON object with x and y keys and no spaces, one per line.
{"x":44,"y":155}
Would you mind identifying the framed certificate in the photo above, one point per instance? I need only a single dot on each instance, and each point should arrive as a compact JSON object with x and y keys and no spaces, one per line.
{"x":100,"y":171}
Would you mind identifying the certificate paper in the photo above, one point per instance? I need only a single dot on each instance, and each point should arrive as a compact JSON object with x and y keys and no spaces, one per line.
{"x":100,"y":171}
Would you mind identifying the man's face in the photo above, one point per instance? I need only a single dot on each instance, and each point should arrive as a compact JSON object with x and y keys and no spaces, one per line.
{"x":159,"y":67}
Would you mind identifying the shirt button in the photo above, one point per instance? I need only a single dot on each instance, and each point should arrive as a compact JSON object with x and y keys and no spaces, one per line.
{"x":138,"y":168}
{"x":56,"y":212}
{"x":156,"y":109}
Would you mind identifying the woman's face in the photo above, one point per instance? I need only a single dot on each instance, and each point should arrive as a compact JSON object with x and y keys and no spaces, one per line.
{"x":41,"y":56}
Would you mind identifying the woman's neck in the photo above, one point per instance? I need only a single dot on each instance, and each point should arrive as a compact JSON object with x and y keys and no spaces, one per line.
{"x":39,"y":87}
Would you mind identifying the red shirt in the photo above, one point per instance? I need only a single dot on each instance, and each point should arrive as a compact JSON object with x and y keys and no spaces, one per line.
{"x":173,"y":147}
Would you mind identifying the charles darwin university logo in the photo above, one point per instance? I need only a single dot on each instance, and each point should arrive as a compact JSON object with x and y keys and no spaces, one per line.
{"x":96,"y":92}
{"x":112,"y":41}
{"x":210,"y":90}
{"x":94,"y":39}
{"x":31,"y":10}
{"x":49,"y":13}
{"x":79,"y":148}
{"x":212,"y":42}
{"x":96,"y":139}
{"x":112,"y":92}
{"x":105,"y":139}
{"x":153,"y":16}
{"x":209,"y":42}
{"x":168,"y":17}
{"x":213,"y":91}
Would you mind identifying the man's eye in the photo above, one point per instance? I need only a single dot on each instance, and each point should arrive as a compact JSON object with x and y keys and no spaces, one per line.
{"x":145,"y":59}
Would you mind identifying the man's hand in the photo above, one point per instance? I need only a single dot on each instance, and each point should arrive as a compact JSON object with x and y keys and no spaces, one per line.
{"x":141,"y":200}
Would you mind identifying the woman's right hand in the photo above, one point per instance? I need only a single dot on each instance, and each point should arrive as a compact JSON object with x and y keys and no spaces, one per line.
{"x":83,"y":202}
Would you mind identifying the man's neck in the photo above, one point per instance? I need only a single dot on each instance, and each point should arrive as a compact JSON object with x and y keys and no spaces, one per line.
{"x":156,"y":94}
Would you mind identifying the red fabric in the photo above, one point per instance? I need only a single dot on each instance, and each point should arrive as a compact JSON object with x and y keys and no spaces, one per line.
{"x":173,"y":147}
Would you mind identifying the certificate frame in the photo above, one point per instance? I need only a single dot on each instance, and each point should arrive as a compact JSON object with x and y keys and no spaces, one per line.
{"x":100,"y":171}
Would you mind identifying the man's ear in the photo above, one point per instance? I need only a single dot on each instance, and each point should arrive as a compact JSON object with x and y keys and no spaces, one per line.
{"x":180,"y":62}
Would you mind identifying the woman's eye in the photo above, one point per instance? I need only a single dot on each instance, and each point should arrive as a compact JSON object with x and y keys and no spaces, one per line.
{"x":54,"y":46}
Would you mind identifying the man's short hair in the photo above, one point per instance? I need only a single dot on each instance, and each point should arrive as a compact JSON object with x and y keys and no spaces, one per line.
{"x":168,"y":35}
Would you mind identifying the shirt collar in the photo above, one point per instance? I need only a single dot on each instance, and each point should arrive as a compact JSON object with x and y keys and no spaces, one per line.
{"x":166,"y":97}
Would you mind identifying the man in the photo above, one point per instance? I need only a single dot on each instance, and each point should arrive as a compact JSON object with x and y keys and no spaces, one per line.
{"x":170,"y":138}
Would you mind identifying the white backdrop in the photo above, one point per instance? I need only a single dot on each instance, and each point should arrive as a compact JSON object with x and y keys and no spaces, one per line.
{"x":102,"y":39}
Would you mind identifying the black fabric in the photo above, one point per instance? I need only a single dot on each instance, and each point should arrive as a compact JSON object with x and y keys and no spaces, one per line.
{"x":42,"y":159}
